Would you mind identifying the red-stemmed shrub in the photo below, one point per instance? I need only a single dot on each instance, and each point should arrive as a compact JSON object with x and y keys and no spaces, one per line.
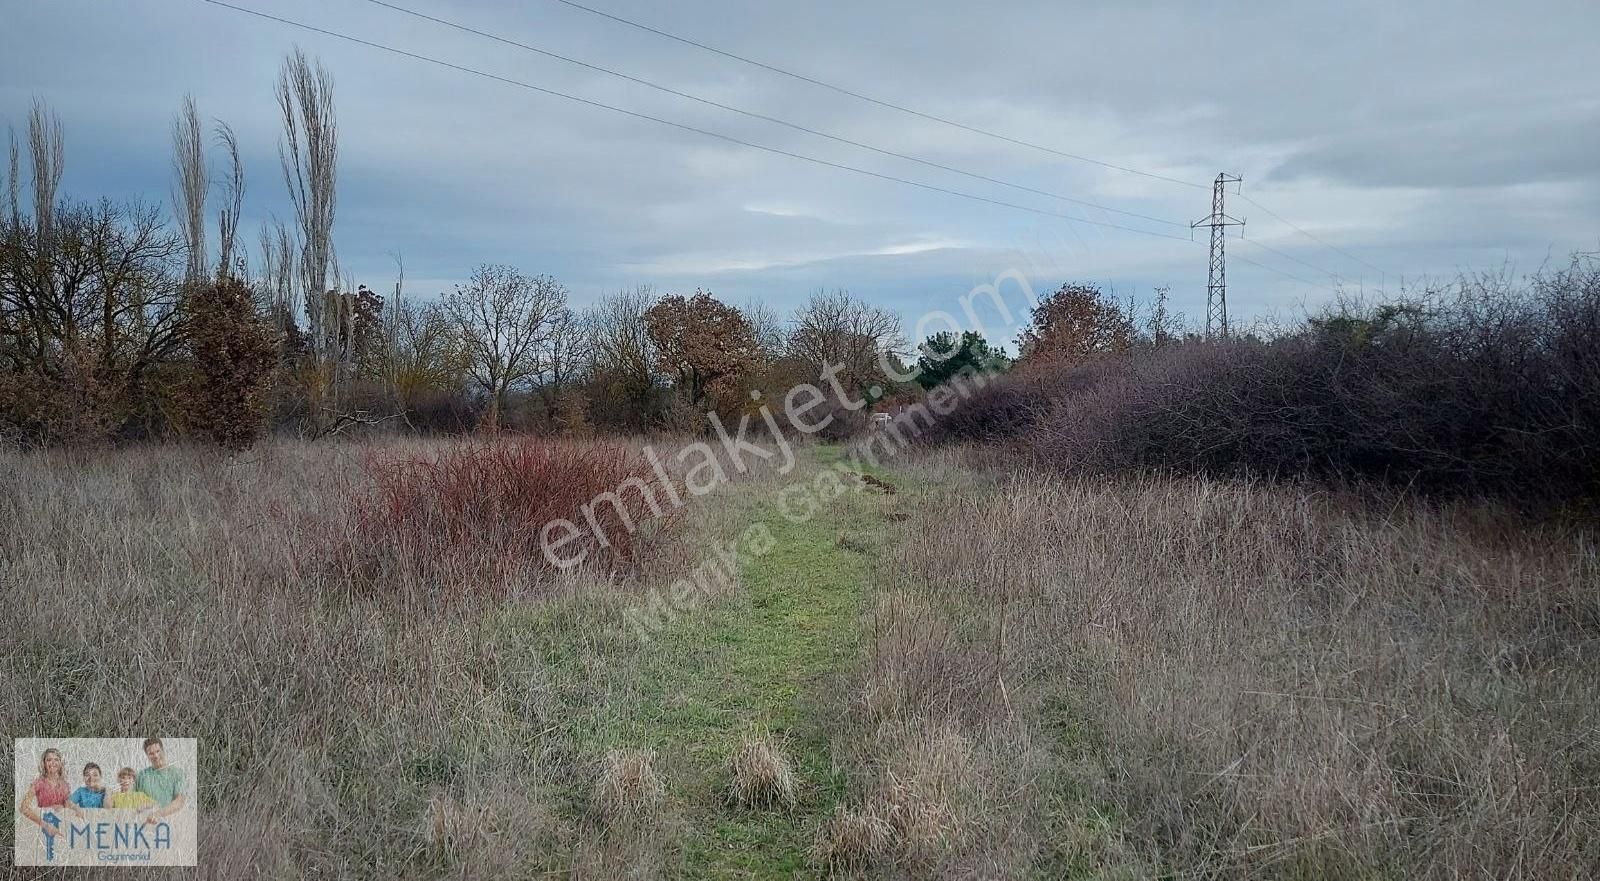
{"x":472,"y":515}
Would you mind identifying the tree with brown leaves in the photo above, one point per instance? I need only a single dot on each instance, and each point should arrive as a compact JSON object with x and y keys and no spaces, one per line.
{"x":707,"y":344}
{"x":1077,"y":321}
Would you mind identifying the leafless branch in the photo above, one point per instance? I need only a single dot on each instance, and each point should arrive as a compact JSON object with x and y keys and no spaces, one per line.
{"x":47,"y":150}
{"x":13,"y":173}
{"x":338,"y":422}
{"x":309,"y":155}
{"x":190,"y":186}
{"x":233,"y":199}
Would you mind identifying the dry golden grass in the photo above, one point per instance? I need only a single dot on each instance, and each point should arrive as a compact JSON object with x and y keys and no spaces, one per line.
{"x":1231,"y":679}
{"x":628,"y":792}
{"x":922,"y":795}
{"x":760,"y":775}
{"x":402,"y":729}
{"x":1088,"y":678}
{"x":851,"y":842}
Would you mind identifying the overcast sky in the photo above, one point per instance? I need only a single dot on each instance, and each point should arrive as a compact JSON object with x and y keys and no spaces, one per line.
{"x":1419,"y":138}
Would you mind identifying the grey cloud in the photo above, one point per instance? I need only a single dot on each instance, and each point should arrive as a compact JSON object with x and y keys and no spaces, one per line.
{"x":1480,"y":150}
{"x":1420,"y":137}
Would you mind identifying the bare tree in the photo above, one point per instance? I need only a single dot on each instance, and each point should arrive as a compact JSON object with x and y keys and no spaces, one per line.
{"x":415,"y":351}
{"x":232,"y":201}
{"x":387,"y":367}
{"x":89,"y":311}
{"x":504,"y":319}
{"x":838,"y":332}
{"x":47,"y":150}
{"x":190,"y":187}
{"x":563,"y":359}
{"x":278,"y":279}
{"x":309,"y":155}
{"x":622,"y":358}
{"x":13,"y":173}
{"x":618,"y":334}
{"x":423,"y":352}
{"x":767,"y":328}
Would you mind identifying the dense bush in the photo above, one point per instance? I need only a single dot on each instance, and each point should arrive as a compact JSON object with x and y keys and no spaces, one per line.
{"x":235,"y":352}
{"x":1483,"y":388}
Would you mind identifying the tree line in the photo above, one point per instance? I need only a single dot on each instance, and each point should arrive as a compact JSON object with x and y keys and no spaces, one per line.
{"x":120,"y":320}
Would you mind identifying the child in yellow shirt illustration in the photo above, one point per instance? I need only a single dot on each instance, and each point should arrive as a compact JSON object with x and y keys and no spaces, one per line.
{"x":126,"y":796}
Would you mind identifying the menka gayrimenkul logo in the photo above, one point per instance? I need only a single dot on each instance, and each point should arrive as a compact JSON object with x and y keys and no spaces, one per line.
{"x":105,"y":801}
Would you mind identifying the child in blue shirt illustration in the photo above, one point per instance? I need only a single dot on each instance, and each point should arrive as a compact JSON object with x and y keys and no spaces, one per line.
{"x":92,"y":794}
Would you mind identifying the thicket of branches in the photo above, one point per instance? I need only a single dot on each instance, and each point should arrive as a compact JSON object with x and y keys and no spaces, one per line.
{"x":1487,"y":386}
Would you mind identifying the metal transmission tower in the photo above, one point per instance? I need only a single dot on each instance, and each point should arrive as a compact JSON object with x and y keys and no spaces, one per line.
{"x":1217,"y":283}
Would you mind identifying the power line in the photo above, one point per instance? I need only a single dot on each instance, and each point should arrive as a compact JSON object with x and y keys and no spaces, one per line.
{"x":728,"y":138}
{"x":963,"y":126}
{"x":1279,"y":271}
{"x":1317,"y":269}
{"x":879,"y":101}
{"x":1314,"y":238}
{"x":681,"y":126}
{"x":761,"y":116}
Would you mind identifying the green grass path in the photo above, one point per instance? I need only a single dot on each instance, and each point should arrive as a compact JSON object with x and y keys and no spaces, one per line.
{"x":794,"y":625}
{"x":761,"y":657}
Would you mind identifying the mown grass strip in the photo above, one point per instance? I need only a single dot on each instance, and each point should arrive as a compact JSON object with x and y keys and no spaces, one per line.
{"x":757,"y":659}
{"x":794,"y":625}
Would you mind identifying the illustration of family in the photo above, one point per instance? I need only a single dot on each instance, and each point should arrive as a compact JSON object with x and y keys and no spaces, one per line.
{"x":155,"y":792}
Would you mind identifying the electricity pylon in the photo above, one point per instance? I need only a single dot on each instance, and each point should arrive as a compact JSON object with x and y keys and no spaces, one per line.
{"x":1217,"y":283}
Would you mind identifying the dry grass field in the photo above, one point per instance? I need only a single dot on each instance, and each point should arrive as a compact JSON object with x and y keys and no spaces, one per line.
{"x":1192,"y":678}
{"x":943,"y":673}
{"x":352,"y":721}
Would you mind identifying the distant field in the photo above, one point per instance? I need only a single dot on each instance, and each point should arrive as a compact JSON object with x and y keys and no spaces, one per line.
{"x":945,"y":672}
